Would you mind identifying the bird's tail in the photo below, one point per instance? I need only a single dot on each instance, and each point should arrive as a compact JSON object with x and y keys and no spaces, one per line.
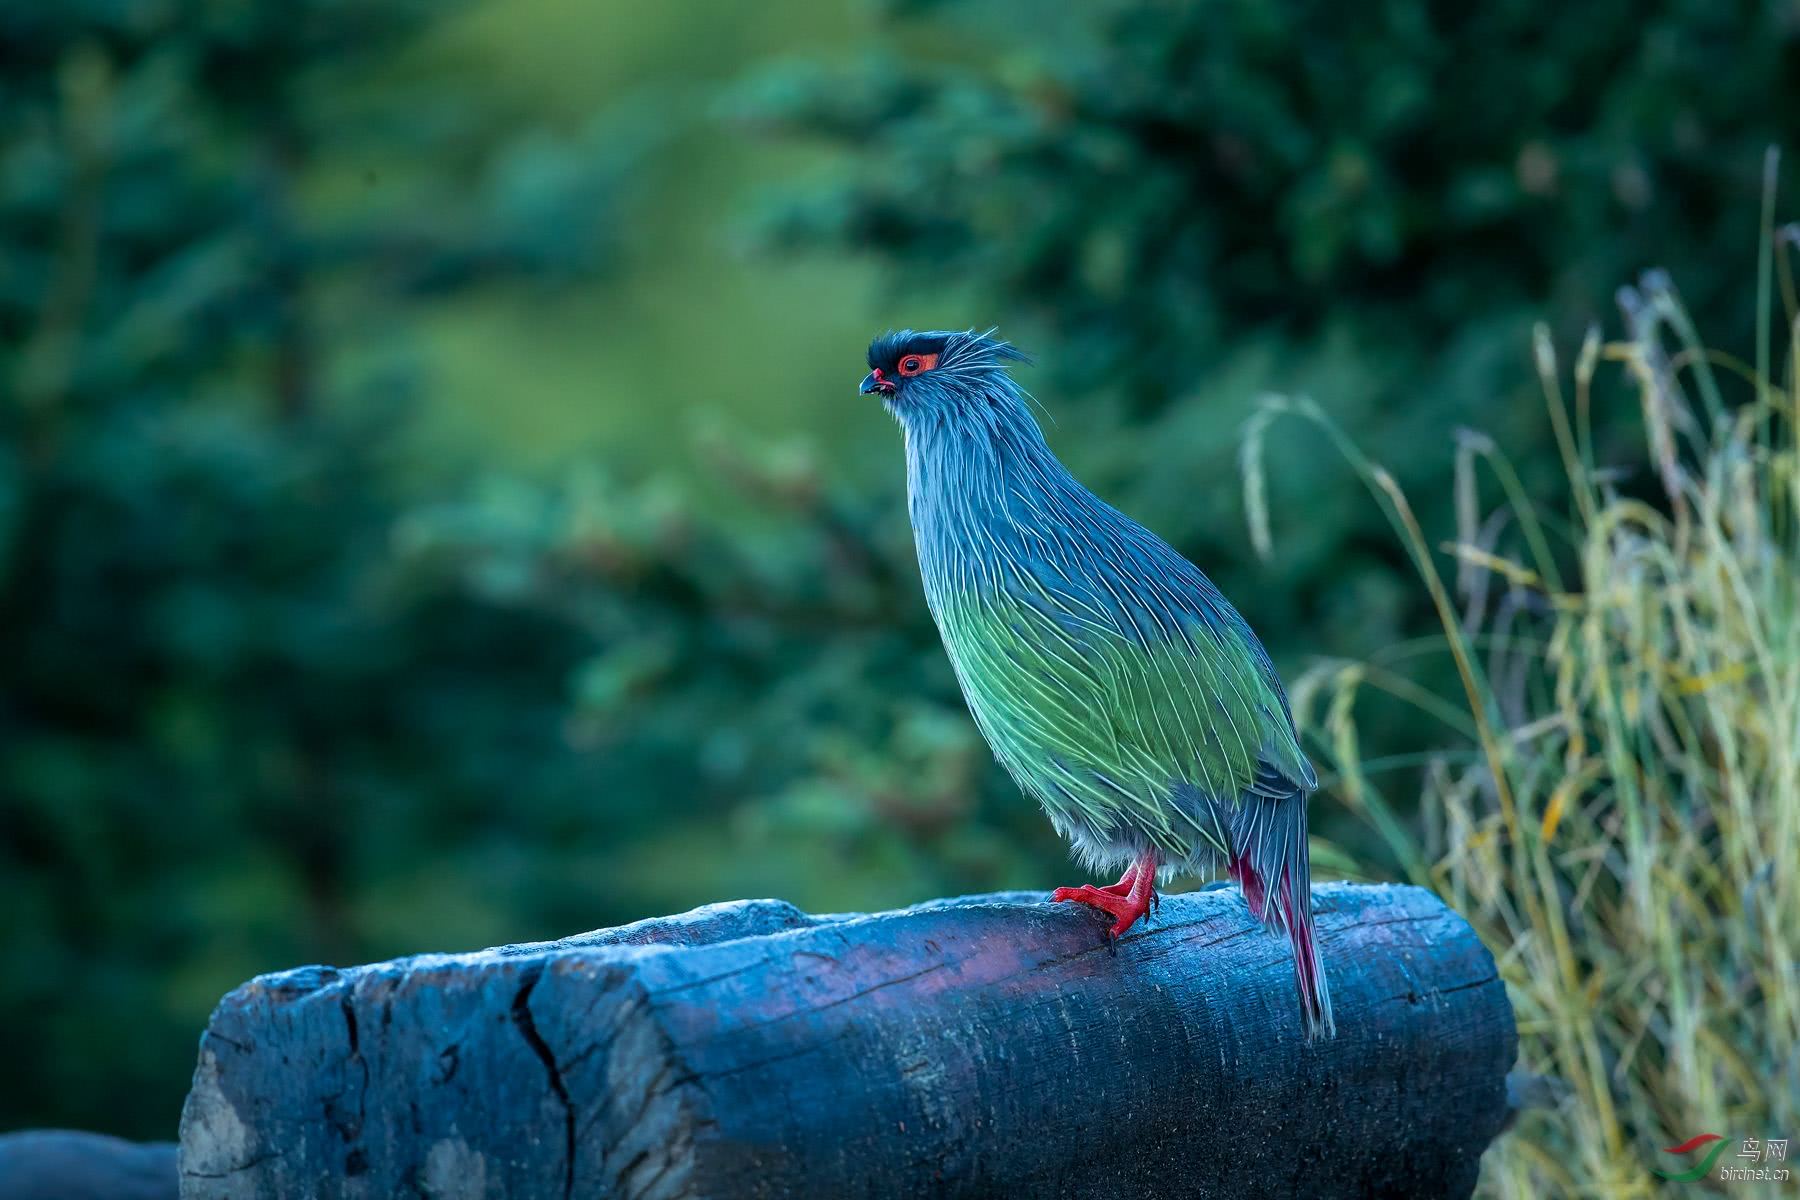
{"x":1270,"y":862}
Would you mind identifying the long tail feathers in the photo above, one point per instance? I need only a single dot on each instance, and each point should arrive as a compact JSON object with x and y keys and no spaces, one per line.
{"x":1270,"y":864}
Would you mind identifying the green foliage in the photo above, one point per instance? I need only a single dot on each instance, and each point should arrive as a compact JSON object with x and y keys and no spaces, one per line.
{"x":275,"y":686}
{"x":237,"y":731}
{"x":262,"y":703}
{"x":1613,"y":796}
{"x":767,"y":696}
{"x":1181,"y":205}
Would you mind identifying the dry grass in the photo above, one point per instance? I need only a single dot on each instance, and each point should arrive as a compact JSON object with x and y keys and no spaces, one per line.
{"x":1616,"y":801}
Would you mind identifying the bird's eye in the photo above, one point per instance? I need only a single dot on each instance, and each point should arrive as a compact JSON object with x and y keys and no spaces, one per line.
{"x":914,"y":364}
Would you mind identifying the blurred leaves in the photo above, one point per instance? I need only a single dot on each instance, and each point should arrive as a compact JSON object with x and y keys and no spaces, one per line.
{"x":275,"y":687}
{"x":770,"y":663}
{"x":1181,"y":206}
{"x":232,"y":719}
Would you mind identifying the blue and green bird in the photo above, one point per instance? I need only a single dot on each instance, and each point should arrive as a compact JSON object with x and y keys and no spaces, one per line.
{"x":1112,"y":679}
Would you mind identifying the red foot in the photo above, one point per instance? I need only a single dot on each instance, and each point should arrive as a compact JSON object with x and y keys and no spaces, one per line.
{"x":1128,"y":899}
{"x":1121,"y":888}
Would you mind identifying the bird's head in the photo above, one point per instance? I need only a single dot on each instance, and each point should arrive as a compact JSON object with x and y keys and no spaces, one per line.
{"x":940,"y":373}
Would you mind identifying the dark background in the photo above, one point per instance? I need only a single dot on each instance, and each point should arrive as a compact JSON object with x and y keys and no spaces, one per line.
{"x":435,"y":509}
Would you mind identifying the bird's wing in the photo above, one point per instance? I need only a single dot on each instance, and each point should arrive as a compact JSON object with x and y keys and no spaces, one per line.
{"x":1128,"y":690}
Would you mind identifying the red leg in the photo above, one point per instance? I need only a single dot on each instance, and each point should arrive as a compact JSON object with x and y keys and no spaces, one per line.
{"x":1123,"y":887}
{"x":1139,"y":892}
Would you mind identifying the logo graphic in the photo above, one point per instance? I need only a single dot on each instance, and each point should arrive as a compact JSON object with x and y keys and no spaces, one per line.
{"x":1717,"y":1141}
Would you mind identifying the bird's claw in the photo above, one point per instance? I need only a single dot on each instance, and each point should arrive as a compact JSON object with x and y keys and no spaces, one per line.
{"x":1127,"y":910}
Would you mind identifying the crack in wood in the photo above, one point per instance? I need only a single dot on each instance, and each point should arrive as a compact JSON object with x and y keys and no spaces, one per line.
{"x":527,"y":1025}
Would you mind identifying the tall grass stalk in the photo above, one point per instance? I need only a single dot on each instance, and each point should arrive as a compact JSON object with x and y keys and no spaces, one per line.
{"x":1617,"y":803}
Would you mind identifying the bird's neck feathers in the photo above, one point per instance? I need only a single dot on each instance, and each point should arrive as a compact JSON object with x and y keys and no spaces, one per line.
{"x":962,"y":452}
{"x":980,"y":479}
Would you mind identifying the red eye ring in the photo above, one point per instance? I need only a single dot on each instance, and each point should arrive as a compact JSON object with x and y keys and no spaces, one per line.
{"x":917,"y":364}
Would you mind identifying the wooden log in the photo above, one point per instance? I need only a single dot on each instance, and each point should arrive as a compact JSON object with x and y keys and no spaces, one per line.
{"x":68,"y":1164}
{"x":985,"y":1047}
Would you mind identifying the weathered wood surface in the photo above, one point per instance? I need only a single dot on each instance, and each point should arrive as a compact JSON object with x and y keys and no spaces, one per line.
{"x":986,"y":1047}
{"x":66,"y":1164}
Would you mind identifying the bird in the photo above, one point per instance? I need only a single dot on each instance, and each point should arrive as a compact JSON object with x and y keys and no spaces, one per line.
{"x":1112,"y":680}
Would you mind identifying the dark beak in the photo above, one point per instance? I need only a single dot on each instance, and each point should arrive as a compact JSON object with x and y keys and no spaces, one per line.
{"x":873,"y":382}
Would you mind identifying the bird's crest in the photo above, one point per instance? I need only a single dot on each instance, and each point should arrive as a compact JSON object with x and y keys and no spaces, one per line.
{"x":966,"y":349}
